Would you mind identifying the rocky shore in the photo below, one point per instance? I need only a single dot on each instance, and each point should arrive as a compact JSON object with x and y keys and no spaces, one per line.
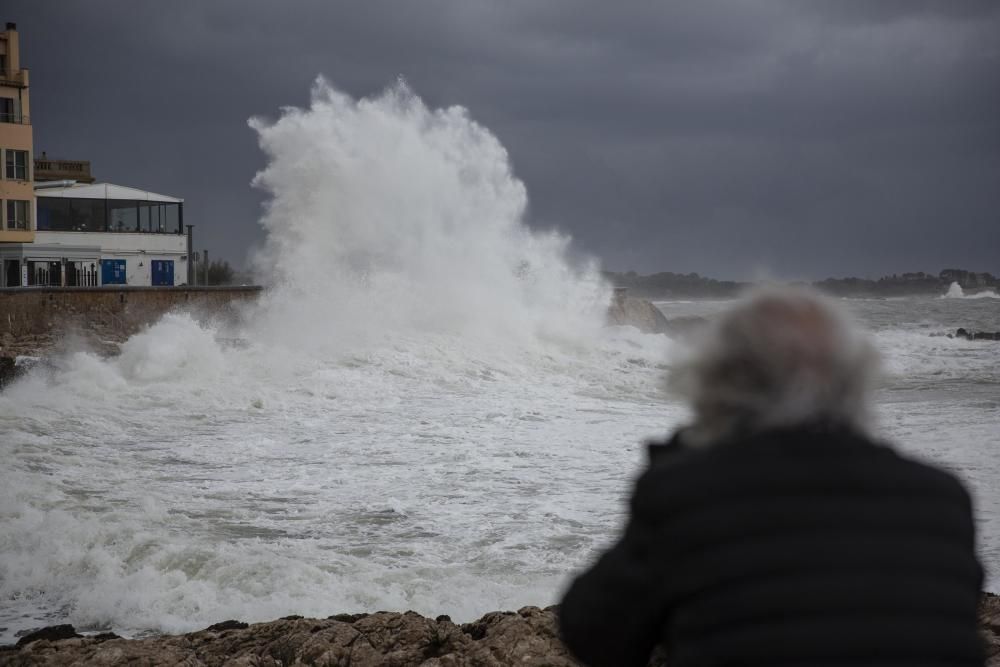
{"x":527,"y":637}
{"x":647,"y":318}
{"x":976,"y":335}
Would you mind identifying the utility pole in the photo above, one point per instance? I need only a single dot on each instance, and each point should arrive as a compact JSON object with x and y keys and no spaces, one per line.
{"x":206,"y":266}
{"x":191,"y":257}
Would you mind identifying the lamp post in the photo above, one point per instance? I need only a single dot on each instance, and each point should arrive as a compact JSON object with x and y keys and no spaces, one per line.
{"x":190,"y":266}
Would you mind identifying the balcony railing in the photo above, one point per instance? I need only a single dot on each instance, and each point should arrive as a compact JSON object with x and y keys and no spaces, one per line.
{"x":62,"y":165}
{"x":17,"y":118}
{"x":14,"y":79}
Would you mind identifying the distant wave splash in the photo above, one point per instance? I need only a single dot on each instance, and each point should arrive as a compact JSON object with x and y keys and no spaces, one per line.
{"x":955,"y":291}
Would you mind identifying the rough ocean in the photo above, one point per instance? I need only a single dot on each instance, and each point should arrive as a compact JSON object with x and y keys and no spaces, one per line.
{"x":424,"y":412}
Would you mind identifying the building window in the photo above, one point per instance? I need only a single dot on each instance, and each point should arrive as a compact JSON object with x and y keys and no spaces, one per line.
{"x":124,"y":216}
{"x":54,"y":215}
{"x":88,"y":215}
{"x":173,"y":218}
{"x":7,"y":114}
{"x":149,"y":217}
{"x":159,"y":217}
{"x":59,"y":214}
{"x":17,"y":165}
{"x":66,"y":214}
{"x":18,"y":212}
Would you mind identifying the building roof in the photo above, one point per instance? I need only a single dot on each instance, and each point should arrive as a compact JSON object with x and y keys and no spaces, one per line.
{"x":103,"y":191}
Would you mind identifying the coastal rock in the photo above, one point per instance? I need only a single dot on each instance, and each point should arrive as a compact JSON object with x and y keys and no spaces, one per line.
{"x":647,"y":318}
{"x":639,"y":313}
{"x":12,"y":368}
{"x":51,"y":633}
{"x":989,"y":627}
{"x":8,"y":370}
{"x":976,"y":335}
{"x":526,"y":637}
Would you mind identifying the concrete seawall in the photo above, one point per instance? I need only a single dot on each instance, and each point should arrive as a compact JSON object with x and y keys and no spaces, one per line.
{"x":33,"y":319}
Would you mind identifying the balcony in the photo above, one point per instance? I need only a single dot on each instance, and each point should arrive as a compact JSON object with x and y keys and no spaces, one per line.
{"x":16,"y":118}
{"x":49,"y":169}
{"x":14,"y":79}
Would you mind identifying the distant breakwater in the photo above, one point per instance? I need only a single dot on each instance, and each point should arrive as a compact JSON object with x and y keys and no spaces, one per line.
{"x":34,"y":320}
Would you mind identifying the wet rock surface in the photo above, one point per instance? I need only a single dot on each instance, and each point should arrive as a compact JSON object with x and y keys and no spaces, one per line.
{"x":976,"y":335}
{"x":8,"y":370}
{"x":51,"y":633}
{"x":989,"y":626}
{"x":20,"y":354}
{"x":639,"y":313}
{"x":526,"y":637}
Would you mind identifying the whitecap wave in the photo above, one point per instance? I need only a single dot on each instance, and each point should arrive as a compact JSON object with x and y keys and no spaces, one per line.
{"x":955,"y":291}
{"x":425,"y":413}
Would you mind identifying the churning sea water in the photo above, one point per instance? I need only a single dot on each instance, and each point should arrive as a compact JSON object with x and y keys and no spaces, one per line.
{"x":939,"y":399}
{"x":434,"y":419}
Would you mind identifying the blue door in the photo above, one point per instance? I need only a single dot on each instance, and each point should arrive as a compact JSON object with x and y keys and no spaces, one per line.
{"x":163,"y":272}
{"x":112,"y":271}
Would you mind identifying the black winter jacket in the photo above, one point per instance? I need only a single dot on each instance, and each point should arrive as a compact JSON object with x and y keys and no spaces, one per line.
{"x":808,"y":546}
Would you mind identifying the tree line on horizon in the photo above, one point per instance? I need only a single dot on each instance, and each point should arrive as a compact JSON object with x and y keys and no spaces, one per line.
{"x":668,"y":284}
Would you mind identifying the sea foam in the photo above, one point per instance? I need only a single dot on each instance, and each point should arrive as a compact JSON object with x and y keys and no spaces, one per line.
{"x":424,"y":411}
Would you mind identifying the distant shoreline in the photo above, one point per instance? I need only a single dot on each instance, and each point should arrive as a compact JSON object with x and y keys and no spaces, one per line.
{"x":667,"y":285}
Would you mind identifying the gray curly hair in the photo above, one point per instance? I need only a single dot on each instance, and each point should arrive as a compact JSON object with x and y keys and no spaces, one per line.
{"x":782,"y":356}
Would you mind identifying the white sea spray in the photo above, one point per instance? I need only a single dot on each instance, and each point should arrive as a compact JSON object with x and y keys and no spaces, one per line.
{"x":424,"y":411}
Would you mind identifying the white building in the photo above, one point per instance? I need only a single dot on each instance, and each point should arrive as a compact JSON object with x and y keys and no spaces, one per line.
{"x":68,"y":234}
{"x":102,"y":234}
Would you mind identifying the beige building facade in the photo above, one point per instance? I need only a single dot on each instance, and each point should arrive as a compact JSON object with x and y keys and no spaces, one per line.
{"x":17,"y":196}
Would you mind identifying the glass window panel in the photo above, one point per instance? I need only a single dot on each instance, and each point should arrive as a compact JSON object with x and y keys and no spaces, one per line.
{"x":18,"y":212}
{"x":144,"y":216}
{"x":53,"y":214}
{"x":87,"y":215}
{"x":7,"y":110}
{"x":16,"y":165}
{"x":124,"y":215}
{"x":173,"y":218}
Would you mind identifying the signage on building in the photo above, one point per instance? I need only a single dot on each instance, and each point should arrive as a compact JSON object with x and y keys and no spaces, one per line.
{"x":24,"y":274}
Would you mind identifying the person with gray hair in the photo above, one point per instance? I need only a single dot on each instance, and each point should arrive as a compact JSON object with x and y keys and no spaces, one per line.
{"x":781,"y":357}
{"x":775,"y":529}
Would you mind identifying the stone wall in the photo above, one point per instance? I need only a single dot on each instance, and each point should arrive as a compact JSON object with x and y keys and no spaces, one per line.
{"x":32,"y":319}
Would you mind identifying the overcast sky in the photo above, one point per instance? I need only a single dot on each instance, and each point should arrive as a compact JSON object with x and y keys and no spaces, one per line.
{"x":797,"y":139}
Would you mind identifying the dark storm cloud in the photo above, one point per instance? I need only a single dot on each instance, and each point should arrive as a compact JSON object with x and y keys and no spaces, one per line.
{"x":801,"y":138}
